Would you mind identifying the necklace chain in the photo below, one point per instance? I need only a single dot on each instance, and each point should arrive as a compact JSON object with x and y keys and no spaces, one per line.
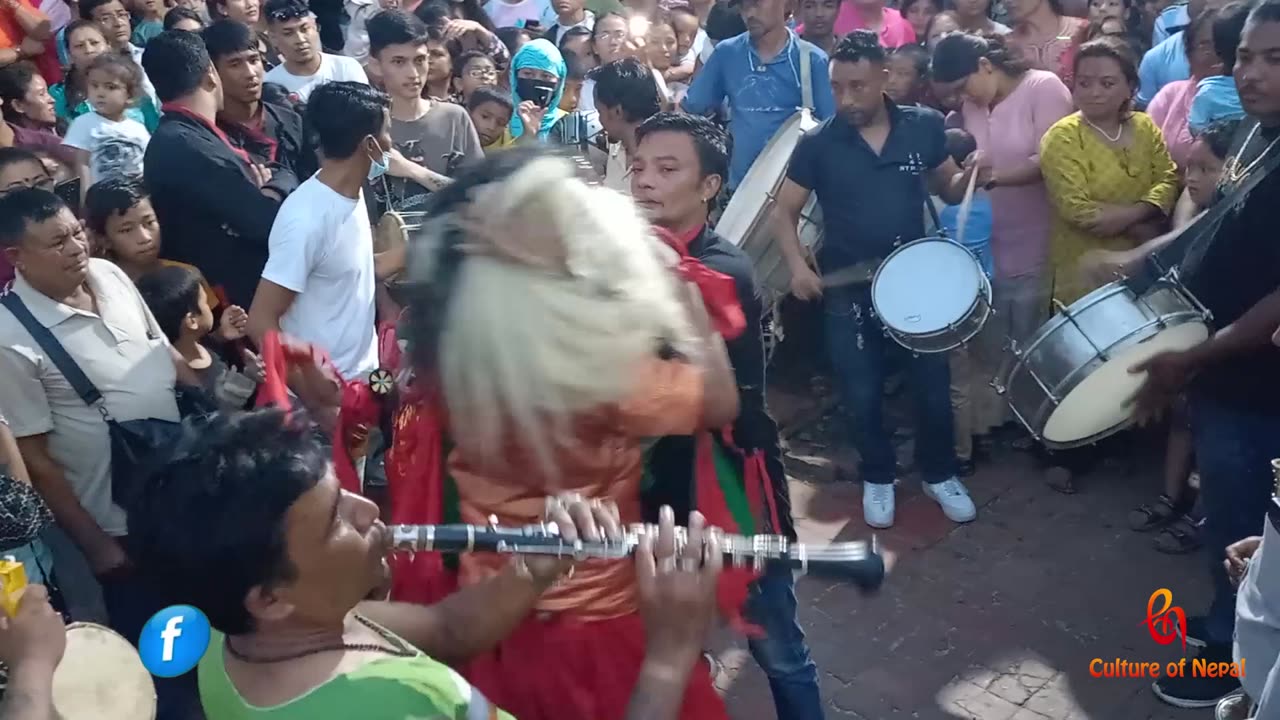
{"x":1103,"y":133}
{"x":398,"y":647}
{"x":1234,"y":173}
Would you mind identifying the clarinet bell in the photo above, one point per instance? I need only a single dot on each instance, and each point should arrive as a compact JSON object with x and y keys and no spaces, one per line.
{"x":857,"y":563}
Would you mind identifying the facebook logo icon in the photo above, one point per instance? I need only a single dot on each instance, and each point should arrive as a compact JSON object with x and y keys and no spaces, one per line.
{"x":173,"y":641}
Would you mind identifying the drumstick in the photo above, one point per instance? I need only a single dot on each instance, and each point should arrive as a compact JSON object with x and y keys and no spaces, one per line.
{"x":965,"y":204}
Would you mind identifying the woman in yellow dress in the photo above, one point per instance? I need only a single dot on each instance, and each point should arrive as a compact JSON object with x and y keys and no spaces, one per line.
{"x":1111,"y":181}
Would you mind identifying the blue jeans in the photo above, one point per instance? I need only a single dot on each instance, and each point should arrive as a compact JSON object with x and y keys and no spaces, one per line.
{"x":861,"y":355}
{"x":1234,"y":448}
{"x":782,"y":652}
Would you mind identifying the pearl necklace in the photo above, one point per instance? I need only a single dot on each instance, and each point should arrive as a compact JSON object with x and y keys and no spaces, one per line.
{"x":1103,"y":133}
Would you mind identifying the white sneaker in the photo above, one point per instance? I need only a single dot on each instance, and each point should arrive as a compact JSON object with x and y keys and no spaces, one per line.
{"x":954,"y":498}
{"x":877,"y":504}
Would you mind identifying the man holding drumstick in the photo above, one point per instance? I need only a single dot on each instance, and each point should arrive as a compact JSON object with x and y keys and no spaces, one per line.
{"x":872,"y":167}
{"x":1230,"y":379}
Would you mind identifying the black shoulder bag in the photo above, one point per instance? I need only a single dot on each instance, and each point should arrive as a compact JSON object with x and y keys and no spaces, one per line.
{"x":137,"y":446}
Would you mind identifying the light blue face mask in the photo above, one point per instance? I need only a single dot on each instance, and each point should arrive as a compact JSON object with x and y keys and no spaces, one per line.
{"x":379,"y":167}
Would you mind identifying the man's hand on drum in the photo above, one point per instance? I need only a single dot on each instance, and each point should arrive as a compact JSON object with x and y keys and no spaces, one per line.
{"x":805,"y":283}
{"x":1099,"y":267}
{"x":35,"y":635}
{"x":1167,"y":374}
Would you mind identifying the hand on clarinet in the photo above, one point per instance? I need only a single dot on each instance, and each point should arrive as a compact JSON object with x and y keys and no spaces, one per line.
{"x":676,"y":588}
{"x":576,"y":518}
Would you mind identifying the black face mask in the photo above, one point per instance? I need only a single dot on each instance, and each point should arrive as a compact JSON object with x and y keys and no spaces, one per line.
{"x":538,"y":91}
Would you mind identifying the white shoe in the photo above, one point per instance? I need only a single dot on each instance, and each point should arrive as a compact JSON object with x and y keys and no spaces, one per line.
{"x":877,"y":504}
{"x":1233,"y":707}
{"x":954,"y":498}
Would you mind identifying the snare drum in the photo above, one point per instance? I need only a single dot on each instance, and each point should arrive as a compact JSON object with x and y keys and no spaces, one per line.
{"x":746,"y":219}
{"x":1070,"y":384}
{"x":931,"y":295}
{"x":102,"y":677}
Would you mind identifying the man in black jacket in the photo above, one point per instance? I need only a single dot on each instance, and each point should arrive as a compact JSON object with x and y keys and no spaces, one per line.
{"x":215,"y":204}
{"x":679,"y":164}
{"x":270,"y":132}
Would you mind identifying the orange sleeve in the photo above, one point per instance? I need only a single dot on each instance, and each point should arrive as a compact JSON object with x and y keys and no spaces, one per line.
{"x":667,"y":400}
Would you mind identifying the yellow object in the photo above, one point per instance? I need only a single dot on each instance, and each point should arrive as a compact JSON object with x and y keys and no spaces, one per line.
{"x":13,"y":580}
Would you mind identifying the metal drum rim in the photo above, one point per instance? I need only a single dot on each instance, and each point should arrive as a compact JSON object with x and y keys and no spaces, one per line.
{"x":771,"y":189}
{"x":984,"y":288}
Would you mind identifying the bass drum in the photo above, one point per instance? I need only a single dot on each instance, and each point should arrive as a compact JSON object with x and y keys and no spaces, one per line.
{"x":745,"y":221}
{"x":102,"y":677}
{"x":1071,"y":385}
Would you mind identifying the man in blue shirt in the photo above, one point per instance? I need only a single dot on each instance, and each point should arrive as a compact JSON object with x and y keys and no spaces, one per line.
{"x":758,"y":72}
{"x":1167,"y":61}
{"x":873,"y":167}
{"x":1172,"y":20}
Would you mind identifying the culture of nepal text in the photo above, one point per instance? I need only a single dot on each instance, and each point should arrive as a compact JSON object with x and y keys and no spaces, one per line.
{"x":1198,"y":667}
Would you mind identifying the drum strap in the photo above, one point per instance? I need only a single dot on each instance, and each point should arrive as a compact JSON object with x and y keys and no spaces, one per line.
{"x":806,"y":76}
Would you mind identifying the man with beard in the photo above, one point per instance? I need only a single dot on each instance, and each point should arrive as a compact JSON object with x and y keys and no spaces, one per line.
{"x":1230,"y":379}
{"x":678,"y":166}
{"x":270,"y":133}
{"x":872,"y":168}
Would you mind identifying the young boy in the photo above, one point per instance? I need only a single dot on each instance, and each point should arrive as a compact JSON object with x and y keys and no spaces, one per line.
{"x":908,"y":74}
{"x":569,"y":14}
{"x":432,"y":138}
{"x":177,"y":298}
{"x":490,"y":111}
{"x":818,"y":17}
{"x":106,"y":142}
{"x":150,"y":20}
{"x":474,"y":69}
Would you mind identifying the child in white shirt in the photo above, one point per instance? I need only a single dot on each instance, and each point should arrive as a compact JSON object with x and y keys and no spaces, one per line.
{"x":108,"y":144}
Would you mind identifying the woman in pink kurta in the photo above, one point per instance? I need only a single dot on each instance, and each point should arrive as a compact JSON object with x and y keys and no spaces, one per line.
{"x":1008,"y":108}
{"x":1171,"y":107}
{"x":894,"y":29}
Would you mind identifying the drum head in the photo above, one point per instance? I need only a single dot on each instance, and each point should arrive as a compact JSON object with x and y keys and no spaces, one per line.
{"x":926,"y":286}
{"x":389,"y":233}
{"x":754,"y":196}
{"x":102,"y":677}
{"x":1098,"y":405}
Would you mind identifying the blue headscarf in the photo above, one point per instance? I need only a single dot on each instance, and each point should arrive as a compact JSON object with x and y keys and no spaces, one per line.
{"x":539,"y":55}
{"x":1216,"y":99}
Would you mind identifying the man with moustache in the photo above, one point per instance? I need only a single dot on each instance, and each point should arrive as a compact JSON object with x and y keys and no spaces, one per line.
{"x":678,"y":166}
{"x":270,"y":133}
{"x":872,"y":167}
{"x":1229,"y":379}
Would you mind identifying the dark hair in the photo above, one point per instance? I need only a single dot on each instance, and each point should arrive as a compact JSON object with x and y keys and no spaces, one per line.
{"x":76,"y":26}
{"x":212,"y":519}
{"x":960,"y":144}
{"x":1205,"y":20}
{"x":343,"y":114}
{"x":432,"y":13}
{"x":628,"y":84}
{"x":918,"y":56}
{"x":10,"y":156}
{"x":576,"y":31}
{"x":1218,"y":135}
{"x":176,"y":62}
{"x":574,"y":66}
{"x":22,"y":207}
{"x":88,"y":6}
{"x":1107,"y":47}
{"x":277,"y":11}
{"x":937,"y":6}
{"x":178,"y":14}
{"x":172,"y":292}
{"x":1228,"y":26}
{"x":1265,"y":11}
{"x":460,"y":64}
{"x":723,"y":22}
{"x":435,"y":13}
{"x":121,"y":68}
{"x":228,"y":37}
{"x":956,"y":56}
{"x":710,"y":142}
{"x":394,"y":27}
{"x":859,"y":45}
{"x":510,"y":36}
{"x":15,"y":81}
{"x":485,"y":94}
{"x":113,"y":196}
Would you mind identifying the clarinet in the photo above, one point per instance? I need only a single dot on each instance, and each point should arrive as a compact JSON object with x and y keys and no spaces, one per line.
{"x":858,"y":563}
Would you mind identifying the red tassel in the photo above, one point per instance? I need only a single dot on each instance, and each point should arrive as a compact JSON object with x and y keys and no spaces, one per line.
{"x":719,"y":296}
{"x":733,"y":587}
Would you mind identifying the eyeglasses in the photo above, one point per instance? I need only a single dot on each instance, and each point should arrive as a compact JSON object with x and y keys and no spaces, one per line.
{"x":613,"y":34}
{"x":482,"y":73}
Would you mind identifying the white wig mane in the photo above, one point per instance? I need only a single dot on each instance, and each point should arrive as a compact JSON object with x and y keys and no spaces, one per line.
{"x":524,"y":351}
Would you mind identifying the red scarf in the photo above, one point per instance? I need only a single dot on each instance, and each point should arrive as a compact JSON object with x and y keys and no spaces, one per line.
{"x":180,"y":110}
{"x":719,"y":291}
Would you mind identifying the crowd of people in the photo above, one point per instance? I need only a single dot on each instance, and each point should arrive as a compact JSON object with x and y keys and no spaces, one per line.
{"x":192,"y":191}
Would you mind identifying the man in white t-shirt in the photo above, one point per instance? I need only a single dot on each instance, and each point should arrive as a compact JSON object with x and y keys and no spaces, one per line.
{"x":293,"y":32}
{"x":319,"y":280}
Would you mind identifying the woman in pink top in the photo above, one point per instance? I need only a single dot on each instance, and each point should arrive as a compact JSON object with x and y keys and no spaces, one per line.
{"x":1045,"y":37}
{"x":1007,"y":108}
{"x":894,"y":29}
{"x":1171,"y":107}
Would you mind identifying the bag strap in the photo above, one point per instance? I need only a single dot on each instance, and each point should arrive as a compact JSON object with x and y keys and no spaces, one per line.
{"x":58,"y":354}
{"x":806,"y":75}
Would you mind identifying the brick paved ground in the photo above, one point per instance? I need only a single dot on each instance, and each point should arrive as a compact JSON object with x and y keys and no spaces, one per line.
{"x":996,"y":620}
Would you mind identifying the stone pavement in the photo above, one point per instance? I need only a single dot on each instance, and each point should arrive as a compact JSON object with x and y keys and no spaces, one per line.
{"x":995,"y":620}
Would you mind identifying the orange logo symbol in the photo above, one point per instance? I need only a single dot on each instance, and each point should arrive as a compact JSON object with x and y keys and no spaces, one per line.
{"x":1169,"y":622}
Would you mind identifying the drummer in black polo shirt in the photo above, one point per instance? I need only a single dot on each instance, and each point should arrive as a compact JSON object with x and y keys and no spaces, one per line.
{"x":1233,"y":378}
{"x":872,"y":167}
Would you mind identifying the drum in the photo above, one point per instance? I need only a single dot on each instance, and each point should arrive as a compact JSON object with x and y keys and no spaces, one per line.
{"x":745,"y":221}
{"x":931,"y":295}
{"x":102,"y":677}
{"x":1070,"y":384}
